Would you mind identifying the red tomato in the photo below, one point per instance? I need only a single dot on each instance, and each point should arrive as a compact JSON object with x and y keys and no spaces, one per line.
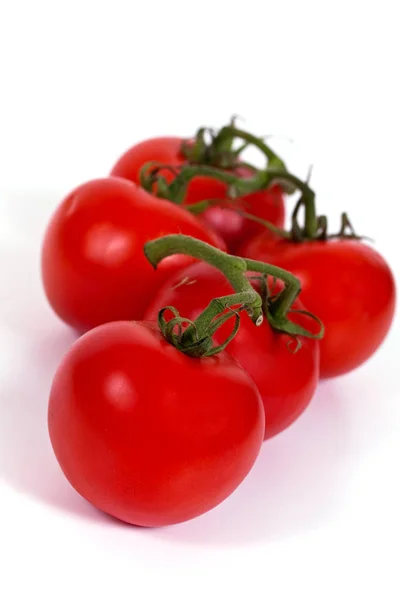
{"x":231,"y":226}
{"x":286,"y":380}
{"x":147,"y":434}
{"x":93,"y":265}
{"x":165,"y":150}
{"x":347,"y":284}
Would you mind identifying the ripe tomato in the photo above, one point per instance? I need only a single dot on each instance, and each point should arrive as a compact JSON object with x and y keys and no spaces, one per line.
{"x":93,"y":266}
{"x":225,"y":220}
{"x":147,"y":434}
{"x":347,"y":284}
{"x":286,"y":380}
{"x":166,"y":150}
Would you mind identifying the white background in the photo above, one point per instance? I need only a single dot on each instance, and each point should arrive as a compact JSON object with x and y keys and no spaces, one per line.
{"x":80,"y":81}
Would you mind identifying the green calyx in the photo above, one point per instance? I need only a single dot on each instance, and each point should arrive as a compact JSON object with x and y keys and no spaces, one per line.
{"x":217,"y":148}
{"x":195,"y":338}
{"x":314,"y":227}
{"x":212,"y":154}
{"x":237,"y":187}
{"x":215,"y":154}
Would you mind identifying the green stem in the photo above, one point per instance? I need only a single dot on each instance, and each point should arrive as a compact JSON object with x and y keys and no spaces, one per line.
{"x":278,"y":309}
{"x":241,"y":186}
{"x":231,"y":132}
{"x":197,"y":150}
{"x":291,"y":289}
{"x":307,"y":197}
{"x":311,"y":220}
{"x":196,"y":339}
{"x":233,"y":267}
{"x":277,"y":175}
{"x":237,"y":187}
{"x":286,"y":235}
{"x":211,"y":318}
{"x":218,"y":150}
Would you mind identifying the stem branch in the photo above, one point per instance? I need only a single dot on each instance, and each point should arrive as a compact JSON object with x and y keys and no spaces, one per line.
{"x":232,"y":132}
{"x":233,"y":267}
{"x":196,"y":339}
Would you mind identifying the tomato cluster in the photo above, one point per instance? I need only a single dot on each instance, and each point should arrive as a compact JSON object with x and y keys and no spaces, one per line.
{"x":191,"y":356}
{"x":224,"y":217}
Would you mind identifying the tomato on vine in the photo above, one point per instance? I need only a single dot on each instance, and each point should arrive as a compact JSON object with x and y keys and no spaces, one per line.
{"x":148,"y":434}
{"x":224,"y":214}
{"x":285,"y":379}
{"x":93,"y":266}
{"x":157,"y":424}
{"x":347,"y":283}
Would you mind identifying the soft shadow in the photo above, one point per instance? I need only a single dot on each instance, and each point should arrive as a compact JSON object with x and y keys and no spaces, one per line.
{"x":27,"y":461}
{"x":33,"y":341}
{"x":296,"y":484}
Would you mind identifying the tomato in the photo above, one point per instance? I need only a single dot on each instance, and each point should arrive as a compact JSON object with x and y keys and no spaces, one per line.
{"x":286,"y":380}
{"x":93,"y":266}
{"x":166,"y":150}
{"x":347,"y":284}
{"x":146,"y":433}
{"x":226,"y":221}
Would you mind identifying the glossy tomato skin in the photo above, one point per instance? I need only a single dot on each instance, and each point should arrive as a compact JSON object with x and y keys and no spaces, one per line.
{"x":93,"y":266}
{"x":147,"y":434}
{"x":347,"y":284}
{"x":285,"y":380}
{"x":225,"y":220}
{"x":166,"y":150}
